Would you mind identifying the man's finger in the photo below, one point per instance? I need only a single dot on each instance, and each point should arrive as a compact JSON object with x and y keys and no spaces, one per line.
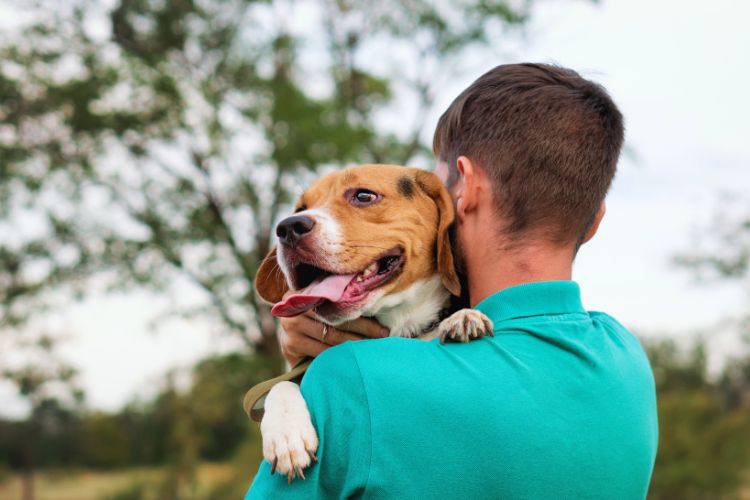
{"x":307,"y":346}
{"x":334,"y":336}
{"x":306,"y":328}
{"x":366,"y":327}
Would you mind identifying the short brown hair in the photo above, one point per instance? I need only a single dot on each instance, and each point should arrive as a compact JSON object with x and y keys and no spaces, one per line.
{"x":549,"y":140}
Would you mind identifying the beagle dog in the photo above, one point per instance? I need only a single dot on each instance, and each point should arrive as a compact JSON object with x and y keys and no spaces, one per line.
{"x":369,"y":240}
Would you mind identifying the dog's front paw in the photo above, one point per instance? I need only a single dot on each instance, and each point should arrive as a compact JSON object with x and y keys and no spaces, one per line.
{"x":289,"y":439}
{"x":465,"y":325}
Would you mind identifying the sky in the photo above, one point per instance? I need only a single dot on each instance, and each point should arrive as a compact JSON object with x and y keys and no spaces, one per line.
{"x":679,"y":71}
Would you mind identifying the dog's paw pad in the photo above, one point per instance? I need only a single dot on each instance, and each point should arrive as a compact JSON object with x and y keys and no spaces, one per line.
{"x":465,"y":325}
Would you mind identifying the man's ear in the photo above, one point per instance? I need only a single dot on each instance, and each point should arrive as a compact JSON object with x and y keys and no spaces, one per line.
{"x":591,"y":231}
{"x":434,"y":188}
{"x":270,"y":283}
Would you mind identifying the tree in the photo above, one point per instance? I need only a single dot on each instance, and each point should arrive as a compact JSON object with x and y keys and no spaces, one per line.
{"x":704,"y":443}
{"x":707,"y":451}
{"x":156,"y":143}
{"x":723,"y":254}
{"x":47,"y":384}
{"x":723,"y":251}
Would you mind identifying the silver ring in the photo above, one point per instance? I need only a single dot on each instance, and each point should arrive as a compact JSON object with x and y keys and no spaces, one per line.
{"x":325,"y":333}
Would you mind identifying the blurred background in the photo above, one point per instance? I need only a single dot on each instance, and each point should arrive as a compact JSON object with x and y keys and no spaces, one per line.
{"x":148,"y":146}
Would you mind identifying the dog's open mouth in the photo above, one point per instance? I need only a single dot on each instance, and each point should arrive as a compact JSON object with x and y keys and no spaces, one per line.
{"x":318,"y":286}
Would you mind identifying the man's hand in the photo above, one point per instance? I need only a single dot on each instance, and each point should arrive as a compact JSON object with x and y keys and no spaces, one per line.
{"x":302,"y":336}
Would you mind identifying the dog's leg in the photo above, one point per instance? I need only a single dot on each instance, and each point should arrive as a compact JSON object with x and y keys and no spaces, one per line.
{"x":289,"y":439}
{"x":464,"y":326}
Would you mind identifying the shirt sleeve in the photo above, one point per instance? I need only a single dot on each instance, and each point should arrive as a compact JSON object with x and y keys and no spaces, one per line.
{"x":336,"y":397}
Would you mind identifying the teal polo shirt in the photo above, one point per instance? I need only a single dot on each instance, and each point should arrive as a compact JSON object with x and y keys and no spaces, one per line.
{"x":559,"y":404}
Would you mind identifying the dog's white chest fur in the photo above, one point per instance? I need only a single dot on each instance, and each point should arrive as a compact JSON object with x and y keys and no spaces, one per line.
{"x":406,"y":313}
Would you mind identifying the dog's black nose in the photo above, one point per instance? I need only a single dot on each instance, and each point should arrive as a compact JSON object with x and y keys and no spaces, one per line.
{"x":291,"y":229}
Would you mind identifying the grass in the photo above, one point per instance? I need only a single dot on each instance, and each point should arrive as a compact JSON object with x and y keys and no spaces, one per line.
{"x":124,"y":484}
{"x":98,"y":485}
{"x":211,"y":480}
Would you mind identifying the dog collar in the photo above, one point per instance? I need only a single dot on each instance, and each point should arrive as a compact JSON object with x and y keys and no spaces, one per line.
{"x":444,"y":313}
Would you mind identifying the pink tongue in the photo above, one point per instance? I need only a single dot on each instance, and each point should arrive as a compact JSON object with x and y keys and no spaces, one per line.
{"x":329,"y":288}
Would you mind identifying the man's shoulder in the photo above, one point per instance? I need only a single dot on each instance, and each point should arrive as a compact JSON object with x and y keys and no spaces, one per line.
{"x":628,"y":355}
{"x":617,"y":330}
{"x":353,"y":360}
{"x":383,"y":372}
{"x":333,"y":386}
{"x":393,"y":346}
{"x":607,"y":318}
{"x":333,"y":366}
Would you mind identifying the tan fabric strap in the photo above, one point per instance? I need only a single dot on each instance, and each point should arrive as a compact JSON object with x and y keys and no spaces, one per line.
{"x":255,"y":398}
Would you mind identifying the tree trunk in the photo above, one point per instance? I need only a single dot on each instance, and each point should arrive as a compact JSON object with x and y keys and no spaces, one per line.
{"x":27,"y":483}
{"x":269,"y":343}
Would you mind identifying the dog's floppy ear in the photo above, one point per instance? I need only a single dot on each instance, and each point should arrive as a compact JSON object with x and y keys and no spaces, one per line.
{"x":269,"y":280}
{"x":433,"y":186}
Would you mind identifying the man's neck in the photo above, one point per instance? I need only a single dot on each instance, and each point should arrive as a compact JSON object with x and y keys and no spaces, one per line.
{"x":498,"y":270}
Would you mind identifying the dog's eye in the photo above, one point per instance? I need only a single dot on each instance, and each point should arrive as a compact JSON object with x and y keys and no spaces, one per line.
{"x":362,"y":197}
{"x":366,"y":196}
{"x":300,"y":208}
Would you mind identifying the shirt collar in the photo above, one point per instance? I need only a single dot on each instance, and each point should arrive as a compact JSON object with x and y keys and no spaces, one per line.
{"x":533,"y":299}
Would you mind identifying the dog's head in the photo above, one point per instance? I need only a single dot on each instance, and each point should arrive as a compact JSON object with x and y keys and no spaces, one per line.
{"x":358,"y":235}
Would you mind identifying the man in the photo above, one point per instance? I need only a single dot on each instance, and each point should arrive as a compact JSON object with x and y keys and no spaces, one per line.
{"x":561,"y":402}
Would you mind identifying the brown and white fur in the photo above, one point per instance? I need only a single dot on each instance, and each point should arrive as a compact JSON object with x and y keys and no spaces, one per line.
{"x":400,"y":227}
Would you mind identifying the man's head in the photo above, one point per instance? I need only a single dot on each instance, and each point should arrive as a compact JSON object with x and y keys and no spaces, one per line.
{"x":546,"y":140}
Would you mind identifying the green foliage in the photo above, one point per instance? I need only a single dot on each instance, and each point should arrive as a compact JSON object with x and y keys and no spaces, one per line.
{"x":105,"y":443}
{"x":4,"y":472}
{"x":179,"y":428}
{"x":219,"y":385}
{"x":245,"y":463}
{"x":708,"y":442}
{"x":133,"y":492}
{"x":725,"y":251}
{"x":177,"y":431}
{"x":704,"y":437}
